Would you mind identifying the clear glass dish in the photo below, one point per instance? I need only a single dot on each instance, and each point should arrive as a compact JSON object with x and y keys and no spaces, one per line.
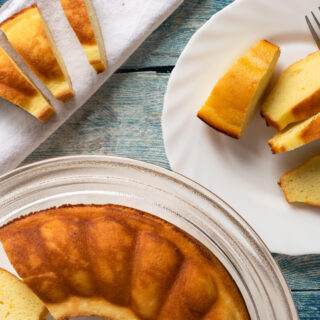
{"x":107,"y":179}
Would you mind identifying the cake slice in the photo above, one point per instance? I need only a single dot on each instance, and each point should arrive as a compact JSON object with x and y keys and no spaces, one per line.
{"x":303,"y":183}
{"x":296,"y":135}
{"x":296,"y":94}
{"x":29,"y":35}
{"x":85,"y":24}
{"x":235,"y":98}
{"x":17,"y":301}
{"x":16,"y":87}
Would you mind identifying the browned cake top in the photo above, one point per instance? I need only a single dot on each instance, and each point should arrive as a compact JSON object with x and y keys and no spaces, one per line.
{"x":30,"y":36}
{"x":77,"y":14}
{"x":26,"y":32}
{"x":124,"y":256}
{"x":17,"y":88}
{"x":14,"y":86}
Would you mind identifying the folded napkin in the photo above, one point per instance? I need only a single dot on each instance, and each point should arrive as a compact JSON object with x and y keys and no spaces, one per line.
{"x":125,"y":25}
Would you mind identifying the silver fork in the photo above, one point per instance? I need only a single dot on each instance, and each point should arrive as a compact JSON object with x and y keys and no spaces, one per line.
{"x":313,"y":32}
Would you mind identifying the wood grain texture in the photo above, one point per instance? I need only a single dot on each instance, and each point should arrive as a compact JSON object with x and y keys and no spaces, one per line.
{"x":123,"y":118}
{"x":165,"y":45}
{"x":301,"y":272}
{"x":308,"y":304}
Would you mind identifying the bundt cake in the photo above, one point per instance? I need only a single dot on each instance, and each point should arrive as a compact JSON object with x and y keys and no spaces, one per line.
{"x":295,"y":95}
{"x":31,"y":38}
{"x":303,"y":183}
{"x":296,"y":135}
{"x":235,"y":98}
{"x":85,"y":24}
{"x":16,"y":87}
{"x":119,"y":263}
{"x":17,"y":301}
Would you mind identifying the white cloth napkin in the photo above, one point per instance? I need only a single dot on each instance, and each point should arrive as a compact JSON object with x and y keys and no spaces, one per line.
{"x":125,"y":25}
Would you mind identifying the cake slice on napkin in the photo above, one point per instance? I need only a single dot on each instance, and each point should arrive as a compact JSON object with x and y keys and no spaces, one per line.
{"x":17,"y":301}
{"x":296,"y":94}
{"x":235,"y":98}
{"x":16,"y":87}
{"x":83,"y":20}
{"x":30,"y":36}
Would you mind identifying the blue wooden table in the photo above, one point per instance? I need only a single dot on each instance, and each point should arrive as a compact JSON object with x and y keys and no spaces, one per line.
{"x":123,"y":118}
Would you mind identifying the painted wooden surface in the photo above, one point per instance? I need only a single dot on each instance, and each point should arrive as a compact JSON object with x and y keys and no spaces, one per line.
{"x":123,"y":118}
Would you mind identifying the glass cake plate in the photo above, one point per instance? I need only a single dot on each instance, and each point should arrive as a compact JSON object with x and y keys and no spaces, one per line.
{"x":184,"y":203}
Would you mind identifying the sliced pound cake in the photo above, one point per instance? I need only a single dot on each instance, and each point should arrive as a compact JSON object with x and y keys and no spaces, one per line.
{"x":296,"y":135}
{"x":235,"y":98}
{"x":296,"y":94}
{"x":17,"y":88}
{"x":30,"y":36}
{"x":83,"y":20}
{"x":17,"y":301}
{"x":303,"y":183}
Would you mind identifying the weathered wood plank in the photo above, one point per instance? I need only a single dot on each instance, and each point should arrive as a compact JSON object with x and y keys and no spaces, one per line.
{"x":122,"y":118}
{"x":164,"y":46}
{"x":308,"y":304}
{"x":301,"y":272}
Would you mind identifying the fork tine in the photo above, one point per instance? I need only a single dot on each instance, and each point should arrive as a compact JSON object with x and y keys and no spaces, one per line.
{"x":315,"y":19}
{"x":313,"y":32}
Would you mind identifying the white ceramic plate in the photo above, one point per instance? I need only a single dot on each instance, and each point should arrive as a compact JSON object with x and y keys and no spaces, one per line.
{"x":244,"y":173}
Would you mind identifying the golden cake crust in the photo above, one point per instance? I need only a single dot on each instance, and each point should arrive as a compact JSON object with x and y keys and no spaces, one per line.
{"x":310,"y":131}
{"x":129,"y":262}
{"x":231,"y":99}
{"x":300,"y":110}
{"x":77,"y":12}
{"x":18,"y":89}
{"x":28,"y":34}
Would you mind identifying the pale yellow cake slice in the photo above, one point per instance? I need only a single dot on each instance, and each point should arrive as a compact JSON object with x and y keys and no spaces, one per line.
{"x":303,"y":183}
{"x":17,"y":301}
{"x":235,"y":98}
{"x":296,"y":94}
{"x":29,"y":35}
{"x":16,"y":87}
{"x":296,"y":135}
{"x":84,"y":22}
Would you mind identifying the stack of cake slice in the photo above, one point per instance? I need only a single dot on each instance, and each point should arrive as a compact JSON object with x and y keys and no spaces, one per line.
{"x":31,"y":38}
{"x":293,"y":105}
